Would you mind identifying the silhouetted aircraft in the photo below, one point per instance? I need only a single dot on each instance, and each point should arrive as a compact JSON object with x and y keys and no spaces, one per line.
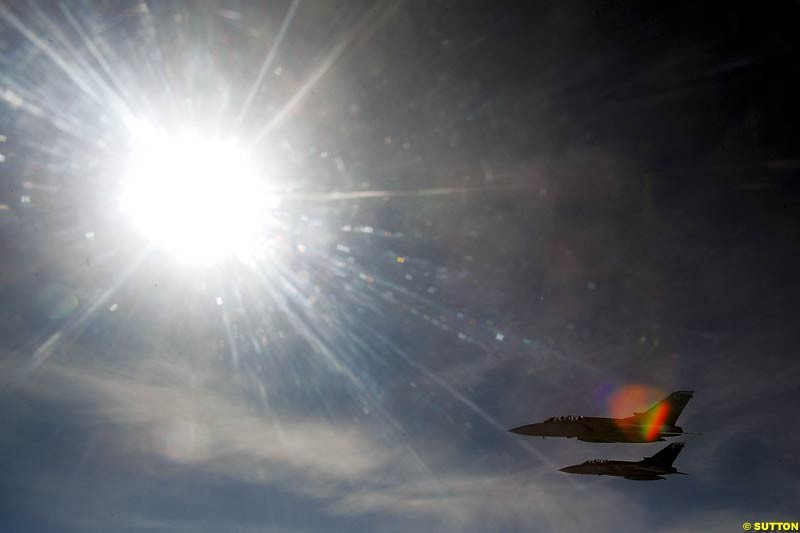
{"x":650,"y":426}
{"x":648,"y":469}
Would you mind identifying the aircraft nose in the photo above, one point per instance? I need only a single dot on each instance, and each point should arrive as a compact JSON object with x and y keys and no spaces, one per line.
{"x":530,"y":429}
{"x":567,"y":469}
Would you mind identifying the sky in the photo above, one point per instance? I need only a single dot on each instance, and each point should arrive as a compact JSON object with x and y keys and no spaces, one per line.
{"x":406,"y":227}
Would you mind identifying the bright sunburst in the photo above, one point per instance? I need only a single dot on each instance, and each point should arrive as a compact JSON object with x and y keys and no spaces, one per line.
{"x":199,"y":198}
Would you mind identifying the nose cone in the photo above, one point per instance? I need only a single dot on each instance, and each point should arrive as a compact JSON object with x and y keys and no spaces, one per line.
{"x":533,"y":430}
{"x":569,"y":469}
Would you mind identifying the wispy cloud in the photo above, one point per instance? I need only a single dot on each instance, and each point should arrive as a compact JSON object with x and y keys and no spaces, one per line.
{"x":188,"y":419}
{"x":184,"y":416}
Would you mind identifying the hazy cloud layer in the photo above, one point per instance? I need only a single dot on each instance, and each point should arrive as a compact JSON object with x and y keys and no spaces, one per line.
{"x":154,"y":414}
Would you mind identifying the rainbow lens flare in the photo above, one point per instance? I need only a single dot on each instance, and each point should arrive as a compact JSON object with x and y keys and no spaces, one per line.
{"x":631,"y":399}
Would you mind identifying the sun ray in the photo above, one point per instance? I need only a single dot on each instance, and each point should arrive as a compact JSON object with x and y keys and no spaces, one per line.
{"x":265,"y":66}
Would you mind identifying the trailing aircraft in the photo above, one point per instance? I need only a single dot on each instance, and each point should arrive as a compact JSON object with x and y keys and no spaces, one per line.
{"x":648,"y":469}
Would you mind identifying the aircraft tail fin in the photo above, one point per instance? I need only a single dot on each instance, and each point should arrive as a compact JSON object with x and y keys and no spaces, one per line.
{"x":667,"y":455}
{"x":669,"y":409}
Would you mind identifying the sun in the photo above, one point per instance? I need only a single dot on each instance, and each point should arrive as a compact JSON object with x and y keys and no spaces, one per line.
{"x":199,"y":198}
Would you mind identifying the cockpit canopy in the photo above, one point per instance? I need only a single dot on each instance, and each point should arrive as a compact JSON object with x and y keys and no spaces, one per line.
{"x":595,"y":461}
{"x":568,"y":418}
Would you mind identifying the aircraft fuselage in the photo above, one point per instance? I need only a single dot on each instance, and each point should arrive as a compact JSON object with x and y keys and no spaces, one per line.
{"x":635,"y":470}
{"x":596,"y":429}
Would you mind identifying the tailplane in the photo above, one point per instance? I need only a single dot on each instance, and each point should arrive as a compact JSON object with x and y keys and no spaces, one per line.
{"x":669,"y":409}
{"x":666,"y":456}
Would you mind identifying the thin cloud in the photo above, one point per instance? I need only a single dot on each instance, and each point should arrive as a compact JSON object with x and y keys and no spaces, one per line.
{"x":187,"y":419}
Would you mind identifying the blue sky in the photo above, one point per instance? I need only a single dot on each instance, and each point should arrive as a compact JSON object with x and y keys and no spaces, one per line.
{"x":479,"y":217}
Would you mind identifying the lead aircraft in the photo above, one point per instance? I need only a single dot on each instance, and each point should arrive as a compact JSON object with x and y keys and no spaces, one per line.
{"x":653,"y":425}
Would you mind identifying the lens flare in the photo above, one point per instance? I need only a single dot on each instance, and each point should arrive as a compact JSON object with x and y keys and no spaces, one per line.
{"x":633,"y":398}
{"x":654,"y":421}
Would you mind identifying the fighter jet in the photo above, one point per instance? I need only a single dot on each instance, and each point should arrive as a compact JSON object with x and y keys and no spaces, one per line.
{"x":648,"y":469}
{"x":652,"y":425}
